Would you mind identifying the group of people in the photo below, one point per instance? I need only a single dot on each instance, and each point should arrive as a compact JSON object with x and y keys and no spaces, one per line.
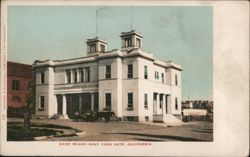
{"x":92,"y":116}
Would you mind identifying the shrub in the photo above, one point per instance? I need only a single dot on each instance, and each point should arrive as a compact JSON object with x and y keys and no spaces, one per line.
{"x":13,"y":112}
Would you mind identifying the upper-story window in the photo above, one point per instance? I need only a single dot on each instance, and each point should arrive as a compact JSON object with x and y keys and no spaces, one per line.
{"x":81,"y":75}
{"x":102,"y":48}
{"x":68,"y":74}
{"x":130,"y":101}
{"x":75,"y":75}
{"x":176,"y":80}
{"x":108,"y":71}
{"x":162,"y":77}
{"x":92,"y":48}
{"x":128,"y":42}
{"x":130,"y":70}
{"x":42,"y":78}
{"x":15,"y":84}
{"x":138,"y":42}
{"x":87,"y":74}
{"x":84,"y":74}
{"x":157,"y":75}
{"x":145,"y":72}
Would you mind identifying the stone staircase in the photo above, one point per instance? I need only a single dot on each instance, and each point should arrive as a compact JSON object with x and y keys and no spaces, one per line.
{"x":171,"y":119}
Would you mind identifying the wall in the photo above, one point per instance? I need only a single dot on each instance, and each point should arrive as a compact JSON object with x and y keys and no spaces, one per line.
{"x":112,"y":85}
{"x":22,"y":93}
{"x":130,"y":85}
{"x":176,"y":90}
{"x":46,"y":90}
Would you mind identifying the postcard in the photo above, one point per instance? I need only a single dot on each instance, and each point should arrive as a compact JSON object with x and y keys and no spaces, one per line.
{"x":127,"y":78}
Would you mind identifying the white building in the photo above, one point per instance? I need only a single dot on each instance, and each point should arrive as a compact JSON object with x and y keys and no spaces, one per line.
{"x":130,"y":82}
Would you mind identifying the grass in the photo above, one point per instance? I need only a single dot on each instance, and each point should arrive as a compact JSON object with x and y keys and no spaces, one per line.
{"x":17,"y":132}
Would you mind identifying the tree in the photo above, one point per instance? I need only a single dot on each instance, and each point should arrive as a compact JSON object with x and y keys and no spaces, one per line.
{"x":29,"y":107}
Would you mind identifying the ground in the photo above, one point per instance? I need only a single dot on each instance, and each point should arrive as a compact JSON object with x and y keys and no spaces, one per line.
{"x":132,"y":131}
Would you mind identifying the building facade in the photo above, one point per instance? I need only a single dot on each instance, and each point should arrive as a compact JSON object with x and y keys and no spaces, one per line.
{"x":19,"y":77}
{"x":130,"y":82}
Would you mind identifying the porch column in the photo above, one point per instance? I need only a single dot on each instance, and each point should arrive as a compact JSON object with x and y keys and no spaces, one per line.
{"x":78,"y":75}
{"x":71,"y":76}
{"x":155,"y":103}
{"x":158,"y":103}
{"x":163,"y":104}
{"x":64,"y":107}
{"x":169,"y":104}
{"x":55,"y":104}
{"x":92,"y":101}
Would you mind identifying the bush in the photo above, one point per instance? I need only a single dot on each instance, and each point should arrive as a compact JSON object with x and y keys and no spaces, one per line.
{"x":13,"y":112}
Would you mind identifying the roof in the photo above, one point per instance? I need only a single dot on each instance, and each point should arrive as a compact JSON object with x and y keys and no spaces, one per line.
{"x":19,"y":69}
{"x":109,"y":54}
{"x":97,"y":39}
{"x":133,"y":32}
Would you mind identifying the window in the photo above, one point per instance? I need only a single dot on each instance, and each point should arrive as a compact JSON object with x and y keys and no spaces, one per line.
{"x":92,"y":48}
{"x":162,"y":77}
{"x":176,"y":80}
{"x":81,"y":75}
{"x":130,"y":101}
{"x":75,"y":75}
{"x":87,"y":74}
{"x":29,"y":84}
{"x":130,"y":70}
{"x":128,"y":42}
{"x":108,"y":100}
{"x":108,"y":71}
{"x":15,"y":84}
{"x":146,"y":101}
{"x":68,"y":73}
{"x":138,"y":42}
{"x":145,"y":72}
{"x":41,"y":105}
{"x":176,"y":103}
{"x":157,"y":75}
{"x":42,"y":77}
{"x":102,"y":48}
{"x":16,"y":99}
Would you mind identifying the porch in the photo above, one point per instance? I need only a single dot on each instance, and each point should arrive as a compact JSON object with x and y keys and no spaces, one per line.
{"x":68,"y":104}
{"x":162,"y":109}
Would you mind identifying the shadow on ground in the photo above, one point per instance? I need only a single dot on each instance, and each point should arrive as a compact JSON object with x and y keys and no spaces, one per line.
{"x":148,"y":137}
{"x":203,"y":131}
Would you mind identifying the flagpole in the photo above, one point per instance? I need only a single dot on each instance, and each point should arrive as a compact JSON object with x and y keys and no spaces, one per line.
{"x":96,"y":22}
{"x":131,"y":18}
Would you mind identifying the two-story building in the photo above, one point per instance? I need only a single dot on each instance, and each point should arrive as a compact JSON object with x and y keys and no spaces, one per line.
{"x":130,"y":82}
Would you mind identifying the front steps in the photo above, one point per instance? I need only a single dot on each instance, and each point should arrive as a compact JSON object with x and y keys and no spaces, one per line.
{"x":171,"y":119}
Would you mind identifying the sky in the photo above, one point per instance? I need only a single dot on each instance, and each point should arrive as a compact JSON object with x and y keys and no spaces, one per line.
{"x":182,"y":34}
